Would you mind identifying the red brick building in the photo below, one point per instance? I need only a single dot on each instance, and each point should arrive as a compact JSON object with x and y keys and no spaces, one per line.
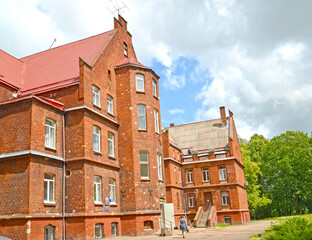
{"x":80,"y":145}
{"x":204,"y":172}
{"x":82,"y":151}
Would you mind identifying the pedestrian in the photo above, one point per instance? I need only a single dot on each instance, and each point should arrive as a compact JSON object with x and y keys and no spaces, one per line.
{"x":183,"y":226}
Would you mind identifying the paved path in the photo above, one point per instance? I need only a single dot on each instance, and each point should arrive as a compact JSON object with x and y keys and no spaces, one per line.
{"x":235,"y":232}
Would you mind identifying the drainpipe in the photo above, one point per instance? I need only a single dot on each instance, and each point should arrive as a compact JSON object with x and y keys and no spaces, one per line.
{"x":63,"y":181}
{"x":183,"y":193}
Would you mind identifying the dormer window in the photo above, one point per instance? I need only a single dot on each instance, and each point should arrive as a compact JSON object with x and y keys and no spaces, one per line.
{"x":125,"y":50}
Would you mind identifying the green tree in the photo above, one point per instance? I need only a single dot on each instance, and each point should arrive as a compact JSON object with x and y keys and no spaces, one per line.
{"x":286,"y":166}
{"x":252,"y":174}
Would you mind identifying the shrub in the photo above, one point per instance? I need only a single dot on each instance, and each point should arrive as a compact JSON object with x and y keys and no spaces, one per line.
{"x":293,"y":229}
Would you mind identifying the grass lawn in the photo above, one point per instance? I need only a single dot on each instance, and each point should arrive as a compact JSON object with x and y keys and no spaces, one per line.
{"x":280,"y":220}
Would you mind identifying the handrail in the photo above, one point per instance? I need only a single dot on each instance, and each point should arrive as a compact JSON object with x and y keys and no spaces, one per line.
{"x":198,"y":215}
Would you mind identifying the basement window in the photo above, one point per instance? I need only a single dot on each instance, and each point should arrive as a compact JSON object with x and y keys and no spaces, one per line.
{"x":114,"y":228}
{"x":49,"y":232}
{"x":148,"y":224}
{"x":98,"y":231}
{"x":227,"y":220}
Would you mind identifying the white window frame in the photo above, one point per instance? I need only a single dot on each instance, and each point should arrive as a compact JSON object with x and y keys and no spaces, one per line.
{"x":206,"y":175}
{"x":96,"y":96}
{"x":141,"y":117}
{"x":49,"y":186}
{"x":111,"y":145}
{"x":222,"y":173}
{"x":50,"y":133}
{"x":97,"y":189}
{"x":156,"y":117}
{"x":96,"y":135}
{"x":110,"y":104}
{"x":144,"y":162}
{"x":99,"y":227}
{"x":154,"y":83}
{"x":225,"y":198}
{"x":139,"y":79}
{"x":114,"y":229}
{"x":112,"y":190}
{"x":180,"y":175}
{"x":189,"y":176}
{"x":191,"y":200}
{"x":160,"y":168}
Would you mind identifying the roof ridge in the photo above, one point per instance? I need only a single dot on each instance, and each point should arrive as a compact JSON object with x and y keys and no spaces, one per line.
{"x":27,"y":57}
{"x":196,"y":122}
{"x":11,"y":56}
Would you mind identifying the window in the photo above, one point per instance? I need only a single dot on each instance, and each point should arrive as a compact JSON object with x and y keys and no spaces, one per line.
{"x":144,"y":164}
{"x":48,"y":188}
{"x":109,"y":79}
{"x":110,"y":144}
{"x":227,"y":220}
{"x":206,"y":176}
{"x":50,"y":133}
{"x":114,"y":229}
{"x":125,"y":49}
{"x":178,"y":200}
{"x":96,"y":138}
{"x":191,"y":200}
{"x":189,"y":176}
{"x":222,"y":173}
{"x":140,"y":82}
{"x":160,"y":171}
{"x":173,"y":154}
{"x":110,"y":105}
{"x":96,"y":96}
{"x":154,"y":87}
{"x":156,"y":120}
{"x":98,"y":231}
{"x":112,"y":190}
{"x":49,"y":232}
{"x":148,"y":224}
{"x":97,"y":189}
{"x":141,"y":117}
{"x":225,"y":198}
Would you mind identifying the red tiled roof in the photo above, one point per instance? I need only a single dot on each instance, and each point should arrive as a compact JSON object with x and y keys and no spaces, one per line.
{"x":126,"y":61}
{"x":52,"y":67}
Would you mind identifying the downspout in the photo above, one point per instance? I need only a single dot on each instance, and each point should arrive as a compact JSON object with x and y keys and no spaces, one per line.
{"x":183,"y":193}
{"x":63,"y":181}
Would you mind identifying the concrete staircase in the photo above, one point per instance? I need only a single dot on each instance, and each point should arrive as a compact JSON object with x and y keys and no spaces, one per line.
{"x":203,"y":221}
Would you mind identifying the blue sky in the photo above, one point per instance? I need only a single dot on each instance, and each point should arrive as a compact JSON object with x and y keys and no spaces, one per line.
{"x":253,"y":57}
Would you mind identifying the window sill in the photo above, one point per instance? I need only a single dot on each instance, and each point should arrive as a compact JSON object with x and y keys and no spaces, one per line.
{"x":96,"y":106}
{"x":155,"y":97}
{"x":141,"y":92}
{"x":97,"y":153}
{"x":223,"y":181}
{"x":50,"y":148}
{"x":145,"y":179}
{"x":111,"y":157}
{"x":142,"y":130}
{"x":113,"y":204}
{"x":98,"y":204}
{"x":161,"y":180}
{"x":111,"y":114}
{"x":49,"y":204}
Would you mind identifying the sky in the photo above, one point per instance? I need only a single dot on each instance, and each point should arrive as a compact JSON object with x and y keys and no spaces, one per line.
{"x":253,"y":57}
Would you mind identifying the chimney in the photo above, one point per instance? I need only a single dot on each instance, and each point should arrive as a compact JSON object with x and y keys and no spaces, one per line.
{"x":171,"y":124}
{"x":223,"y":115}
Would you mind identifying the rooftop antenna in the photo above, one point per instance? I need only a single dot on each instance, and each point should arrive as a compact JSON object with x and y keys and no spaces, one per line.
{"x":118,"y":8}
{"x":54,"y":41}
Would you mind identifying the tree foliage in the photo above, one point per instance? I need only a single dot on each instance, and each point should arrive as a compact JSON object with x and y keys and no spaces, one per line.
{"x":279,"y":174}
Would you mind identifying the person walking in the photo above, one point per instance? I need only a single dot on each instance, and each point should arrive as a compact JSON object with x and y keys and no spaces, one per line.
{"x":183,"y":226}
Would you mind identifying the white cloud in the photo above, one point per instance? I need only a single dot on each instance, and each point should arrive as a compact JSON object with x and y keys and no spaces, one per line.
{"x":176,"y":111}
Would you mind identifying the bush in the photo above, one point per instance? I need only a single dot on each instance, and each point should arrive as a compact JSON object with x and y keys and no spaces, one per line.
{"x":293,"y":229}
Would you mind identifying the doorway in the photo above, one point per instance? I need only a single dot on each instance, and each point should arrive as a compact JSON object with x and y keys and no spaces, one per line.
{"x":208,"y":200}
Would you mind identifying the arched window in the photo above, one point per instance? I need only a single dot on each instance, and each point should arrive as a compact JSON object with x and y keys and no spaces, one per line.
{"x":49,"y":232}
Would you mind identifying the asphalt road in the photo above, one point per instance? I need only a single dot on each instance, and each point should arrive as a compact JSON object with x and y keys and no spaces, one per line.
{"x":235,"y":232}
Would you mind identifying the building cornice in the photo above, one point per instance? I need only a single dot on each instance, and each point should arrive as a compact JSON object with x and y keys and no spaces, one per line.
{"x":93,"y":111}
{"x":173,"y":160}
{"x":213,"y":160}
{"x":220,"y":185}
{"x":30,"y":152}
{"x":93,"y":161}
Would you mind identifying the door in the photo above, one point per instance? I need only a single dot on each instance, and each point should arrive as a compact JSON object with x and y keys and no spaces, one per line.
{"x":208,"y":201}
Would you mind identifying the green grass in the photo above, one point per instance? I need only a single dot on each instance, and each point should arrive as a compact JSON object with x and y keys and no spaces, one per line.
{"x":223,"y":225}
{"x":286,"y":225}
